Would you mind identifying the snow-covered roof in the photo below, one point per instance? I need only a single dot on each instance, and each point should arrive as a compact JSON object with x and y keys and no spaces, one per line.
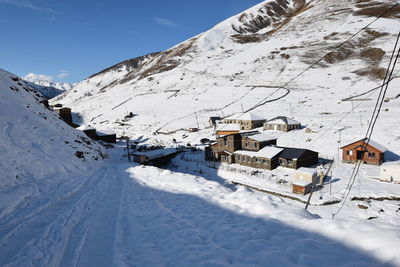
{"x":371,"y":143}
{"x":377,"y":146}
{"x":262,"y":137}
{"x":106,"y":132}
{"x":301,"y":182}
{"x":85,"y":128}
{"x":152,"y":154}
{"x":266,"y":152}
{"x":228,"y":127}
{"x":283,"y":120}
{"x":245,"y":117}
{"x":306,"y":170}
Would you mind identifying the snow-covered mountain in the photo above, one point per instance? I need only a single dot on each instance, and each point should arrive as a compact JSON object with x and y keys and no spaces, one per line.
{"x":36,"y":144}
{"x":44,"y":81}
{"x":242,"y":64}
{"x":47,"y":87}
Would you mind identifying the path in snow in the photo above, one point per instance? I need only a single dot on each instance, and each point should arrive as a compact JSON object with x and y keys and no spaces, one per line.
{"x":143,"y":216}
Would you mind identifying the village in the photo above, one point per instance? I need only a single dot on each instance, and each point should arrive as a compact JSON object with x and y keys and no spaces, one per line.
{"x":246,"y":143}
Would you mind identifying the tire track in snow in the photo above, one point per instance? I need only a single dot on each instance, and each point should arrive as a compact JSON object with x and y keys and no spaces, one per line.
{"x":40,"y":238}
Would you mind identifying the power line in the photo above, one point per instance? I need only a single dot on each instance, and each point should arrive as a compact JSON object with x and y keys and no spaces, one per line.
{"x":260,"y":103}
{"x":374,"y":119}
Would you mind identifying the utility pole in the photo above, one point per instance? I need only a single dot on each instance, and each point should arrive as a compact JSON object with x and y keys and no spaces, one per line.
{"x":127,"y":149}
{"x":197,"y":119}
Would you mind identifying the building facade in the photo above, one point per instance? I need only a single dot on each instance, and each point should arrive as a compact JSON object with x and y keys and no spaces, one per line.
{"x":371,"y":153}
{"x":282,"y":123}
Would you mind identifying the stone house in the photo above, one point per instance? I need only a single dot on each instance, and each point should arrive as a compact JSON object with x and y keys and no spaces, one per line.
{"x":297,"y":157}
{"x":266,"y":158}
{"x":247,"y":121}
{"x":282,"y":123}
{"x":255,"y":142}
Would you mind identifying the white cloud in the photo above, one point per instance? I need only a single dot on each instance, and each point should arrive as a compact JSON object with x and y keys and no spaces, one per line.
{"x":165,"y":22}
{"x":42,"y":77}
{"x":63,"y":74}
{"x":30,"y":5}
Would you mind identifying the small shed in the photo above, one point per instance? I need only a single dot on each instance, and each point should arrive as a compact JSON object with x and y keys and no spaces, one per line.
{"x":301,"y":187}
{"x":305,"y":174}
{"x":107,"y":136}
{"x":371,"y":153}
{"x":213,"y":121}
{"x":390,"y":171}
{"x":89,"y":131}
{"x":193,"y":130}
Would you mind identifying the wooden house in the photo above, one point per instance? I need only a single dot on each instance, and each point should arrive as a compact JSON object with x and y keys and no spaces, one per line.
{"x":256,"y":141}
{"x":281,"y":123}
{"x":227,"y":129}
{"x":89,"y":131}
{"x":107,"y":136}
{"x":247,"y":121}
{"x":301,"y":187}
{"x":297,"y":157}
{"x":305,"y":174}
{"x":390,"y":172}
{"x":371,"y":153}
{"x":266,"y":158}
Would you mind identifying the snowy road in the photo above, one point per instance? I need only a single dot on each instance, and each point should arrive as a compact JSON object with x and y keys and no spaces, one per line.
{"x":121,"y":215}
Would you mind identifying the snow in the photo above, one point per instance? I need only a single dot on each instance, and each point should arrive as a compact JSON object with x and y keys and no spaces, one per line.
{"x":301,"y":183}
{"x":59,"y":210}
{"x":280,"y":120}
{"x":266,"y":152}
{"x":262,"y":137}
{"x":245,"y":116}
{"x":306,"y":170}
{"x":152,"y":154}
{"x":85,"y":128}
{"x":377,"y":146}
{"x":105,"y":132}
{"x":228,"y":127}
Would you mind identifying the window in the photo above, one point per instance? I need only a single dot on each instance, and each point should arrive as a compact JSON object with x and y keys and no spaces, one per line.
{"x":371,"y":154}
{"x":255,"y":145}
{"x":349,"y":152}
{"x":281,"y":161}
{"x":225,"y":142}
{"x":289,"y":161}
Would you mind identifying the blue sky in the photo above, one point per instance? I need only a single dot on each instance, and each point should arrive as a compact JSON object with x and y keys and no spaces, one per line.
{"x":69,"y":40}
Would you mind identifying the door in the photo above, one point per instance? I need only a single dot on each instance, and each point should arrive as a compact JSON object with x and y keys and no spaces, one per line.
{"x":359,"y":155}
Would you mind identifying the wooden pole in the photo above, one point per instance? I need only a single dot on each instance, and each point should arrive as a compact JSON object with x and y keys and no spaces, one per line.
{"x":127,"y":149}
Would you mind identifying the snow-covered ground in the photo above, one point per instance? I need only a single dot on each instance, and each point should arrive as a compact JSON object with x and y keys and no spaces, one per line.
{"x":57,"y":209}
{"x":123,"y":214}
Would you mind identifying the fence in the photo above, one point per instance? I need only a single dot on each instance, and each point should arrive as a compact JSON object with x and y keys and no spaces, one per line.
{"x":261,"y":174}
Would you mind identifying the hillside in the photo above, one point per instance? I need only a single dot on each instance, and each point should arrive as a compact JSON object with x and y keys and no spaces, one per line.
{"x":243,"y":62}
{"x":58,"y":209}
{"x":40,"y":148}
